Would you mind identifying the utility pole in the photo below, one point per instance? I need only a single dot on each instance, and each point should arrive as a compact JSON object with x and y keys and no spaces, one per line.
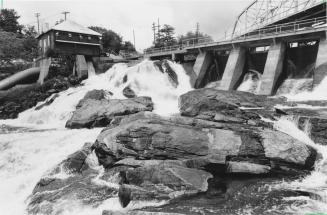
{"x":154,"y":32}
{"x":65,"y":13}
{"x":38,"y":22}
{"x":197,"y":31}
{"x":134,"y":39}
{"x":158,"y":26}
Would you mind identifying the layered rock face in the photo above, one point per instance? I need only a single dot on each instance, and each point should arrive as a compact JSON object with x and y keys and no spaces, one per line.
{"x":95,"y":110}
{"x":218,"y":135}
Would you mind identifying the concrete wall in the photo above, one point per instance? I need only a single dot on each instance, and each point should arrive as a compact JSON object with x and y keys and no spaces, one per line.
{"x":81,"y":66}
{"x":273,"y":68}
{"x":234,"y":69}
{"x":202,"y":63}
{"x":321,"y":63}
{"x":44,"y":69}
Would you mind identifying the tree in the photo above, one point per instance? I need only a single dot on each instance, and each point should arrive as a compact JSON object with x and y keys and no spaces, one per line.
{"x":192,"y":37}
{"x":9,"y":21}
{"x":168,"y":32}
{"x":165,"y":36}
{"x":111,"y":41}
{"x":30,"y":43}
{"x":128,"y":46}
{"x":11,"y":46}
{"x":98,"y":29}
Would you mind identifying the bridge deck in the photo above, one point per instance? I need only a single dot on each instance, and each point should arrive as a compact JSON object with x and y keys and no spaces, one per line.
{"x":293,"y":29}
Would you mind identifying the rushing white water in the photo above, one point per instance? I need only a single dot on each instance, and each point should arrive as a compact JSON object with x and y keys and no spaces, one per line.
{"x":251,"y":82}
{"x":26,"y":156}
{"x":316,"y":182}
{"x":145,"y":79}
{"x":318,"y":93}
{"x":291,"y":87}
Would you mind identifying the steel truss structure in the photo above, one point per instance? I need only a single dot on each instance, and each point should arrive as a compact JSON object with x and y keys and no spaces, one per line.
{"x":261,"y":13}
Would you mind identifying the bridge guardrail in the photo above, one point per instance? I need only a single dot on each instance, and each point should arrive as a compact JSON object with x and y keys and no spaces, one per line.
{"x":291,"y":27}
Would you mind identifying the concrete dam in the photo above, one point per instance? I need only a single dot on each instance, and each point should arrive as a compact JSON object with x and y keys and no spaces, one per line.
{"x":274,"y":43}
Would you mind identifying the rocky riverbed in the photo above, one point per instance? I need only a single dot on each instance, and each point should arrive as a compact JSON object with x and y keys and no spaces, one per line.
{"x":219,"y":155}
{"x":139,"y":140}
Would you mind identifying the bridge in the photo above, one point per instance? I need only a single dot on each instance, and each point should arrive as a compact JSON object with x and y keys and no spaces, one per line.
{"x":268,"y":36}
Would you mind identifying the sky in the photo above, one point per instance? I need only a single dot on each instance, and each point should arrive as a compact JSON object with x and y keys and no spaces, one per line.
{"x":124,"y":16}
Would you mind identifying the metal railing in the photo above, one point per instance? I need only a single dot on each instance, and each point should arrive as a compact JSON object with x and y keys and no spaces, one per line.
{"x":261,"y":13}
{"x":273,"y":30}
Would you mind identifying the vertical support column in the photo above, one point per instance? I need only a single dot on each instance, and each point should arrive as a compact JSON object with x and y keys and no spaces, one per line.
{"x":173,"y":57}
{"x":273,"y":68}
{"x":81,"y":66}
{"x":44,"y":69}
{"x":90,"y":69}
{"x":321,"y":63}
{"x":234,"y":69}
{"x":200,"y":67}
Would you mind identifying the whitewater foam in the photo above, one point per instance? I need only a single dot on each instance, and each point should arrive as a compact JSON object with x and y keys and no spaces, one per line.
{"x":145,"y":79}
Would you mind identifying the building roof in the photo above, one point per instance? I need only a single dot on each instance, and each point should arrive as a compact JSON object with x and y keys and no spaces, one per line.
{"x":71,"y":26}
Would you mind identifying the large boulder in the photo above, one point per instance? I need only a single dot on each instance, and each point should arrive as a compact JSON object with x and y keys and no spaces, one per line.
{"x":161,"y":180}
{"x":92,"y":112}
{"x":149,"y":137}
{"x":72,"y":179}
{"x":180,"y":154}
{"x":228,"y":107}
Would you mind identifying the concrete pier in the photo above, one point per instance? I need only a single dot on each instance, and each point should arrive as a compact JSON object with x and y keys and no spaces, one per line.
{"x":321,"y":63}
{"x":234,"y":69}
{"x":201,"y":66}
{"x":273,"y":69}
{"x":81,"y":66}
{"x":44,"y":69}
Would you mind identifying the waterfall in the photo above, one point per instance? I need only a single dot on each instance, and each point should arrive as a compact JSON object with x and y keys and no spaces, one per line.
{"x":250,"y":82}
{"x":316,"y":183}
{"x":318,"y":93}
{"x":26,"y":154}
{"x":295,"y":86}
{"x":145,"y":79}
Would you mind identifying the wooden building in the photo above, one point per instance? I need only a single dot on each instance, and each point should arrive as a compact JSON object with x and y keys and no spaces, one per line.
{"x":69,"y":38}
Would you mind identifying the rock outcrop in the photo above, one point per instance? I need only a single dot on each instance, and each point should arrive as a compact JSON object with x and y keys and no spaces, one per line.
{"x":95,"y":110}
{"x":151,"y":145}
{"x":218,"y":143}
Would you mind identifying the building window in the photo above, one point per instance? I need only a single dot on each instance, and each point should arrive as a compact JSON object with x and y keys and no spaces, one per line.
{"x":70,"y":35}
{"x":57,"y":34}
{"x":80,"y":37}
{"x":89,"y":37}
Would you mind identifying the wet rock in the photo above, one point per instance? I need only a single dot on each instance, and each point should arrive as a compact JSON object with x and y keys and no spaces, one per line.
{"x":151,"y":137}
{"x":99,"y":113}
{"x":94,"y":95}
{"x":71,"y":180}
{"x":128,"y":92}
{"x":228,"y":106}
{"x":165,"y":67}
{"x":23,"y":97}
{"x":47,"y":102}
{"x":246,"y":167}
{"x":163,"y":181}
{"x":137,"y":212}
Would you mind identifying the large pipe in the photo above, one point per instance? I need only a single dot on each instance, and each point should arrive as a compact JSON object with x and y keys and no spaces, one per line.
{"x":16,"y":78}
